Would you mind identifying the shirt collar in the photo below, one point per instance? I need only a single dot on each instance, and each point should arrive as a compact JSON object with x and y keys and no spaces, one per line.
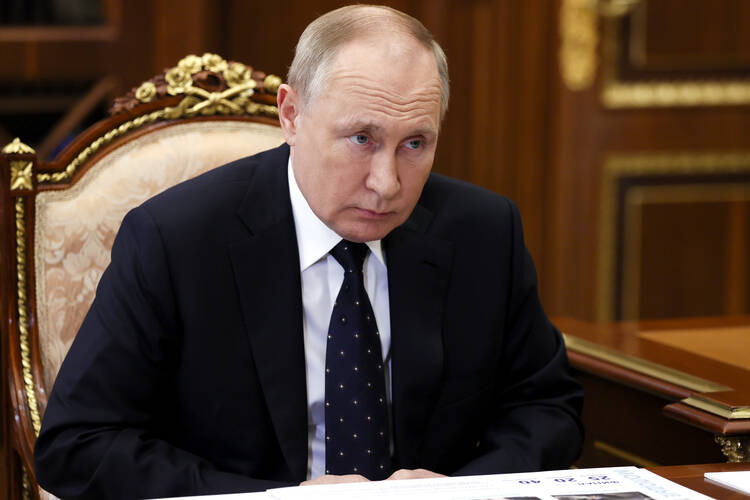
{"x":314,"y":238}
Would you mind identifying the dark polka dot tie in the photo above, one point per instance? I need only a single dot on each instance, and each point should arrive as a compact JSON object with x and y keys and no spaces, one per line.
{"x":356,"y":411}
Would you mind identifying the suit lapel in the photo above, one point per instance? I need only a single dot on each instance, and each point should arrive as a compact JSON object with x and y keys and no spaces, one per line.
{"x":266,"y":270}
{"x":418,"y":271}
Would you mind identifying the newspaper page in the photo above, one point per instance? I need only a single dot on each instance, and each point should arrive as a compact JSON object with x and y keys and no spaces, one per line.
{"x":623,"y":483}
{"x":227,"y":496}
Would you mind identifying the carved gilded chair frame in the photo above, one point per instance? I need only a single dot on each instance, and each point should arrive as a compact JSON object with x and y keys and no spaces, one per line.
{"x":199,"y":88}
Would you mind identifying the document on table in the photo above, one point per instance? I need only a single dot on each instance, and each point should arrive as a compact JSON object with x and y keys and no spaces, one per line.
{"x":621,"y":483}
{"x":739,"y":480}
{"x":263,"y":495}
{"x":577,"y":484}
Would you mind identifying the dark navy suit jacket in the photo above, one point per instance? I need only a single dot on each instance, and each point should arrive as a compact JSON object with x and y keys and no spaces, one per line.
{"x":188,"y":373}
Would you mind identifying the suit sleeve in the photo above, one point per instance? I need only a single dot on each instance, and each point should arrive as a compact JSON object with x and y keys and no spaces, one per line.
{"x":535,"y":421}
{"x":100,"y":437}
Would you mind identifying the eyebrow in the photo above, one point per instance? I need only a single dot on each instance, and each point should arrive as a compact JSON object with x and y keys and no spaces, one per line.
{"x":373,"y":126}
{"x":357,"y":124}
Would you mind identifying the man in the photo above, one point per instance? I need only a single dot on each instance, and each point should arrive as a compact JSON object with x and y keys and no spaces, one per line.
{"x":244,"y":337}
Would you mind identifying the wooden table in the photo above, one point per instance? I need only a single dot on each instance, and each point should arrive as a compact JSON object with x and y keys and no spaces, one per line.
{"x":663,"y":392}
{"x":691,"y":476}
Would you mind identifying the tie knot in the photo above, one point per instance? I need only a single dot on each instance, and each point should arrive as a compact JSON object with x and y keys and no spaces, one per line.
{"x":350,"y":255}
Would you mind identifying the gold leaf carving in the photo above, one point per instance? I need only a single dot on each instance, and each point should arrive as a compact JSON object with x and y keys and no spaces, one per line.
{"x":178,"y":80}
{"x":579,"y":38}
{"x":734,"y":448}
{"x":272,"y":83}
{"x":192,"y":64}
{"x":16,"y":146}
{"x":238,"y":74}
{"x":191,"y":105}
{"x":214,"y":62}
{"x":20,"y":175}
{"x":23,"y":317}
{"x":25,"y":484}
{"x":146,"y":92}
{"x":210,"y":85}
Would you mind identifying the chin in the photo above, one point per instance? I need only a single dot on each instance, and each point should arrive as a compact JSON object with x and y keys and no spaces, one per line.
{"x":363,"y":234}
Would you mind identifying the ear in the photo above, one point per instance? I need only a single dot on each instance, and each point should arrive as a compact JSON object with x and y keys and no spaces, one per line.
{"x":289,"y":110}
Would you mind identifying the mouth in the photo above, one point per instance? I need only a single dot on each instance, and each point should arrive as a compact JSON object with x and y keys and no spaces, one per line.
{"x":372,"y":214}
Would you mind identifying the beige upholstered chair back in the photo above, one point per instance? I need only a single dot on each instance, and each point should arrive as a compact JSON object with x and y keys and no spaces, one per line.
{"x":201,"y":114}
{"x":75,"y":227}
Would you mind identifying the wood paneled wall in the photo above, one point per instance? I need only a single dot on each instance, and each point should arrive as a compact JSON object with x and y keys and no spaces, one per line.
{"x":501,"y":55}
{"x":496,"y":133}
{"x":513,"y":125}
{"x":650,"y":165}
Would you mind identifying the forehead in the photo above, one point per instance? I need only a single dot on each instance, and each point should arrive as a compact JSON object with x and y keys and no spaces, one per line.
{"x":392,"y":76}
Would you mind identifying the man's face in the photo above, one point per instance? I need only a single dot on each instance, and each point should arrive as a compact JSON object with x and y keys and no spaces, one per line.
{"x":362,"y":150}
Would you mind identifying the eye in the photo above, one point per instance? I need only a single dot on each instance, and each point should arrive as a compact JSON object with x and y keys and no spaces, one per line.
{"x":360,"y":139}
{"x":414,"y":143}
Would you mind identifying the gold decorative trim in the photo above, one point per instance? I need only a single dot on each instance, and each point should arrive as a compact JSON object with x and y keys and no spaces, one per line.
{"x":20,"y":175}
{"x":213,"y":103}
{"x":25,"y":485}
{"x":579,"y":38}
{"x":180,"y":78}
{"x":146,"y":92}
{"x":236,"y":86}
{"x":735,"y":448}
{"x":210,"y":73}
{"x":642,"y":366}
{"x":660,"y":94}
{"x":233,"y":101}
{"x":675,"y":94}
{"x":100,"y":141}
{"x":618,"y":166}
{"x":23,"y":319}
{"x":624,"y":455}
{"x":716,"y":408}
{"x":17,"y":147}
{"x":272,"y":83}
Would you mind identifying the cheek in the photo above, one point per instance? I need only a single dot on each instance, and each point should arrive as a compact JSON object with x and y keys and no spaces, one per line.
{"x":337,"y":184}
{"x":344,"y":172}
{"x":413,"y":178}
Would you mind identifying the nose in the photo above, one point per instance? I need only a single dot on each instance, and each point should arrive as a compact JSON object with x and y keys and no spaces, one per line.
{"x":383,"y":176}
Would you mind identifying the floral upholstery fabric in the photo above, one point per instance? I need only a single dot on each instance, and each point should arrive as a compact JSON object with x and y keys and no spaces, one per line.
{"x":75,"y":228}
{"x":46,"y":495}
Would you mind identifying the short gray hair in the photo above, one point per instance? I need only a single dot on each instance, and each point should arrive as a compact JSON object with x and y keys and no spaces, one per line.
{"x":319,"y":44}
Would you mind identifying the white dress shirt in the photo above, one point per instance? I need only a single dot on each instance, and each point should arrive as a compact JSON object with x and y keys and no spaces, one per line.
{"x":322,"y":277}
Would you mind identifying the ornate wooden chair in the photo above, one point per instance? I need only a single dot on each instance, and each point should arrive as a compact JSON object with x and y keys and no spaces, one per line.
{"x":59,"y":218}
